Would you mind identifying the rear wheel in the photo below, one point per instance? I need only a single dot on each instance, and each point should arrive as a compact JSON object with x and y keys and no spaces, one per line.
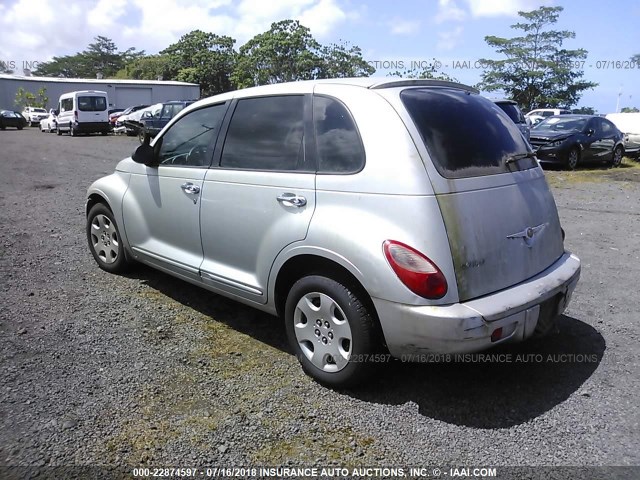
{"x":573,"y":158}
{"x":330,"y":330}
{"x":616,"y":158}
{"x":58,"y":131}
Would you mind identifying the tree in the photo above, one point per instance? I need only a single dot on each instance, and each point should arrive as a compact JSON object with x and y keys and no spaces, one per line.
{"x":286,"y":52}
{"x":342,"y":61}
{"x":101,"y":57}
{"x":629,"y":110}
{"x":204,"y":58}
{"x":4,"y":67}
{"x":24,"y":98}
{"x":150,"y":67}
{"x":537,"y":71}
{"x":584,"y":110}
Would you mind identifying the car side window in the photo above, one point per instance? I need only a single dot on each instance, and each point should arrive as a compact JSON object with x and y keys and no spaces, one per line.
{"x":607,"y":128}
{"x":189,"y":141}
{"x":265,"y":133}
{"x":340,"y":148}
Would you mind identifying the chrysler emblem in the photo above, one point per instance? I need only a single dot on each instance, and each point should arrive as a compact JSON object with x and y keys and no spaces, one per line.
{"x":528,"y":234}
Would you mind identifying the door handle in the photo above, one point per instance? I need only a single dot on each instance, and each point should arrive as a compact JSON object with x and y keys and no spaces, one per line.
{"x":190,"y":188}
{"x":291,"y":200}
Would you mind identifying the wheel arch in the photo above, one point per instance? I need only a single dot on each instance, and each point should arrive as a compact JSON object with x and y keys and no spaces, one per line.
{"x":309,"y":262}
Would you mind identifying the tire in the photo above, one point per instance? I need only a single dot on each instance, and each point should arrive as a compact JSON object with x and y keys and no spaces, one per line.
{"x":573,"y":157}
{"x":2,"y":127}
{"x":616,"y":157}
{"x":141,"y":136}
{"x":58,"y":131}
{"x":19,"y":128}
{"x":104,"y":240}
{"x":71,"y":132}
{"x":103,"y":133}
{"x":330,"y":331}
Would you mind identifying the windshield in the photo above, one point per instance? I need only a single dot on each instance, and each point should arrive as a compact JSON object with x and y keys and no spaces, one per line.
{"x":466,"y":135}
{"x":562,"y":124}
{"x":92,"y":104}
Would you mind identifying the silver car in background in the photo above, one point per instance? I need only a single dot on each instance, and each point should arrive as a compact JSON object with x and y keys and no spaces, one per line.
{"x":377,"y":216}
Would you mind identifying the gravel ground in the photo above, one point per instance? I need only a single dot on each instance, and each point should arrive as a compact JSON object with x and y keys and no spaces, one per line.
{"x":145,"y":369}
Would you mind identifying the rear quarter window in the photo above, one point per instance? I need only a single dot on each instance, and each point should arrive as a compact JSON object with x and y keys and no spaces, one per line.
{"x":340,"y":148}
{"x":465,"y":134}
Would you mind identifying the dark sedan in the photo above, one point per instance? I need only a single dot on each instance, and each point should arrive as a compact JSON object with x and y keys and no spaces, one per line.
{"x":571,"y":139}
{"x":9,"y":118}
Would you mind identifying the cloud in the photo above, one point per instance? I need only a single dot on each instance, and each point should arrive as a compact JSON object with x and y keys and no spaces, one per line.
{"x":105,"y":13}
{"x":448,"y":10}
{"x":404,"y":27}
{"x":450,"y":39}
{"x":150,"y":26}
{"x":495,"y":8}
{"x":323,"y":17}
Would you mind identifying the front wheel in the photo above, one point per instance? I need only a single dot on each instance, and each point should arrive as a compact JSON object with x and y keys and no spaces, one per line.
{"x":572,"y":158}
{"x":330,"y":330}
{"x":104,"y":240}
{"x":616,"y":158}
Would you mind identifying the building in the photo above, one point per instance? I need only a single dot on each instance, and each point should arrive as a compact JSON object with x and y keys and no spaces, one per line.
{"x":122,"y":93}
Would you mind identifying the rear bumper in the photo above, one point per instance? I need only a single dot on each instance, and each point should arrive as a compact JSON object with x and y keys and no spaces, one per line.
{"x":89,"y":127}
{"x":412,"y":331}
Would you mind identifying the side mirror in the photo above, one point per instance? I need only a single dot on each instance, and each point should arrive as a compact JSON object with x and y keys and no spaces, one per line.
{"x":145,"y":154}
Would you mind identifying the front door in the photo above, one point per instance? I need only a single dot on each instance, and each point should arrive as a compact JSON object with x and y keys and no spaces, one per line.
{"x":161,"y":207}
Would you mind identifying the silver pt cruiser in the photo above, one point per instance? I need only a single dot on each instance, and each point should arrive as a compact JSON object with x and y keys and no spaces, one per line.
{"x":374,"y":215}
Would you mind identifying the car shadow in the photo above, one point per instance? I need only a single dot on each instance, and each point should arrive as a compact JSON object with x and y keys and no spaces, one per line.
{"x":499,"y":388}
{"x":250,"y":321}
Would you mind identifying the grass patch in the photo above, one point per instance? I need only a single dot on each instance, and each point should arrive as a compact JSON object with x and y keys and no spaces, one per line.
{"x":628,"y":171}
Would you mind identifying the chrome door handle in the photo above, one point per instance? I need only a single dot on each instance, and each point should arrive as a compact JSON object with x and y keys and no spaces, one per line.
{"x":190,"y":188}
{"x":291,"y":200}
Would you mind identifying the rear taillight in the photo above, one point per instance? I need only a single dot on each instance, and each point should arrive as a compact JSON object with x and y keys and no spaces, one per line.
{"x":415,"y":270}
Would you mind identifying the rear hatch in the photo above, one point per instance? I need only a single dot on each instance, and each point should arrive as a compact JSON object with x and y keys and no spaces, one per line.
{"x":500,"y":216}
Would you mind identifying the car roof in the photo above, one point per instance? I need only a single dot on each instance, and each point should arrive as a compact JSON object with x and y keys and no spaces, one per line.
{"x":307,"y":86}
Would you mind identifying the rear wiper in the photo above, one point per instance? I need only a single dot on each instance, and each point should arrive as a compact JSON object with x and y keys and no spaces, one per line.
{"x":519,"y":156}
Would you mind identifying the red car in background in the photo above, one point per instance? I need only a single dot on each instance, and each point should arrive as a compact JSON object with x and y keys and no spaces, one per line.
{"x":113,"y":117}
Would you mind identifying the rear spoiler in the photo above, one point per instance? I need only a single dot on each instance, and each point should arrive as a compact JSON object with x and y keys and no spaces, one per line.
{"x":417,"y":82}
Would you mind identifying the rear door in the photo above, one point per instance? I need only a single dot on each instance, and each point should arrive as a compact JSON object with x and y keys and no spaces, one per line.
{"x":500,"y":216}
{"x":261,"y":196}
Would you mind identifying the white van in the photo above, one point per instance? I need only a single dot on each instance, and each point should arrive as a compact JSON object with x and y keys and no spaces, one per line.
{"x":85,"y":111}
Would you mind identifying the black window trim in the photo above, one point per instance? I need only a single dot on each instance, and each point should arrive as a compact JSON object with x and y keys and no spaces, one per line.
{"x":315,"y":143}
{"x":308,"y":153}
{"x":158,"y":144}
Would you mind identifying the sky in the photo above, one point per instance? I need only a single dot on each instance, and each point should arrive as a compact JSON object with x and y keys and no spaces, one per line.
{"x":449,"y":33}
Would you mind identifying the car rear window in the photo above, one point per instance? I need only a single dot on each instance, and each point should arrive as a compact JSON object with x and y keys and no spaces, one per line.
{"x":92,"y":104}
{"x":465,"y":134}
